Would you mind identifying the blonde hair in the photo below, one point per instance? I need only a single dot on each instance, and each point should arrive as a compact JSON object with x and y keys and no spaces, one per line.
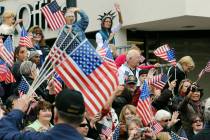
{"x":37,"y":29}
{"x":131,"y":108}
{"x":8,"y":14}
{"x":187,"y":60}
{"x":163,"y":136}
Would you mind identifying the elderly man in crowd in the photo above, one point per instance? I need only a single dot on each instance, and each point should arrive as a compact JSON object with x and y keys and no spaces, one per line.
{"x":130,"y":67}
{"x":69,"y":113}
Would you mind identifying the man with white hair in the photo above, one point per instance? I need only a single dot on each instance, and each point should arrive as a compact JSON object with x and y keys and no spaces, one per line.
{"x":130,"y":67}
{"x":205,"y":133}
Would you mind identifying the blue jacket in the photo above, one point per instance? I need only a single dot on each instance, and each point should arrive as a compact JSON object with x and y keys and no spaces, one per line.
{"x":9,"y":130}
{"x":80,"y":26}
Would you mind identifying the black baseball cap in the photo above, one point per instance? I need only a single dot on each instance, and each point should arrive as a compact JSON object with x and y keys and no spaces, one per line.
{"x":131,"y":80}
{"x":70,"y":101}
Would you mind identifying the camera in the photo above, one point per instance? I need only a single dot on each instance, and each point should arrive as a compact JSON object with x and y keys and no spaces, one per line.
{"x":194,"y":88}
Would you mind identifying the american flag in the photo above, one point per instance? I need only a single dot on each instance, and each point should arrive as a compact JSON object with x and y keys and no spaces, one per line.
{"x":5,"y":54}
{"x":9,"y":77}
{"x":174,"y":136}
{"x":3,"y":71}
{"x":166,"y":53}
{"x":57,"y":83}
{"x":106,"y":54}
{"x":144,"y":105}
{"x":85,"y":71}
{"x":23,"y":86}
{"x":106,"y":131}
{"x":158,"y":81}
{"x":156,"y":127}
{"x":8,"y":45}
{"x":116,"y":134}
{"x":24,"y":39}
{"x":53,"y":15}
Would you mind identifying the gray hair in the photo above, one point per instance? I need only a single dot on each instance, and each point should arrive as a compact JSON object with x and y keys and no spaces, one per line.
{"x":26,"y":67}
{"x":207,"y":110}
{"x":160,"y":114}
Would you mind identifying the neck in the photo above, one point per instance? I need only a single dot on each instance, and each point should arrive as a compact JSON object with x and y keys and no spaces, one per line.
{"x":131,"y":67}
{"x":45,"y":123}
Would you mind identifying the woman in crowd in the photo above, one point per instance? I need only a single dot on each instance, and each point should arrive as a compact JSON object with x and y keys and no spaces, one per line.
{"x":178,"y":73}
{"x":39,"y":43}
{"x":197,"y":124}
{"x":43,"y":112}
{"x":7,"y":28}
{"x":106,"y":34}
{"x":83,"y":129}
{"x":191,"y":105}
{"x":166,"y":120}
{"x":127,"y":113}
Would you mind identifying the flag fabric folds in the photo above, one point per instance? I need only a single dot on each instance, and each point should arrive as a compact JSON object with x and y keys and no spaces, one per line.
{"x":158,"y":81}
{"x":53,"y":15}
{"x":166,"y":53}
{"x":24,"y":39}
{"x":57,"y":81}
{"x":174,"y":136}
{"x":156,"y":127}
{"x":85,"y":71}
{"x":6,"y":55}
{"x":144,"y":105}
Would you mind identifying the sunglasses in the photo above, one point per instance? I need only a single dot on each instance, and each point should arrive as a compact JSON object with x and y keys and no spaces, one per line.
{"x":196,"y":121}
{"x":83,"y":125}
{"x":167,"y":120}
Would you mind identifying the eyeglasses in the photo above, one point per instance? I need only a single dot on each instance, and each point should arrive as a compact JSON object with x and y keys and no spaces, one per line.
{"x":83,"y":125}
{"x":196,"y":121}
{"x":166,"y":120}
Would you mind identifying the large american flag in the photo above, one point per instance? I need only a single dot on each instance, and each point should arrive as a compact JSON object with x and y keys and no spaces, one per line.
{"x":9,"y":77}
{"x":144,"y":105}
{"x":85,"y":71}
{"x":3,"y":70}
{"x":24,"y":39}
{"x":53,"y":15}
{"x":106,"y":54}
{"x":57,"y":81}
{"x":6,"y":55}
{"x":166,"y":53}
{"x":158,"y":81}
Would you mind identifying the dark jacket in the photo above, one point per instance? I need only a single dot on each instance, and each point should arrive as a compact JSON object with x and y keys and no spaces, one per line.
{"x":203,"y":134}
{"x":164,"y":101}
{"x":9,"y":130}
{"x":187,"y":108}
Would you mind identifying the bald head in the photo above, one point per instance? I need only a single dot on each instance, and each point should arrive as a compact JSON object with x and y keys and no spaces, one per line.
{"x":133,"y":58}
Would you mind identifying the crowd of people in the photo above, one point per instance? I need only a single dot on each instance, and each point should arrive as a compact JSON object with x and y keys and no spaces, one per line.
{"x":178,"y":107}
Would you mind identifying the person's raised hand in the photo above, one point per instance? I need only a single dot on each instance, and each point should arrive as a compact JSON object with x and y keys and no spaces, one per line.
{"x":22,"y":103}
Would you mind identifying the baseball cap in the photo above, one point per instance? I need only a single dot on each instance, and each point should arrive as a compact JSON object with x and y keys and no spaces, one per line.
{"x":131,"y":79}
{"x":70,"y":101}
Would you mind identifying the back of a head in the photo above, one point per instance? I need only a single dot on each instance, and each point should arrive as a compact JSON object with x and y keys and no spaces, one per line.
{"x":70,"y":106}
{"x":26,"y":67}
{"x":8,"y":14}
{"x":207,"y":110}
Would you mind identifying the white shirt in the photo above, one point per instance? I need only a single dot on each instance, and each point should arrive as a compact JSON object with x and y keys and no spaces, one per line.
{"x":99,"y":39}
{"x":124,"y":71}
{"x":6,"y":29}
